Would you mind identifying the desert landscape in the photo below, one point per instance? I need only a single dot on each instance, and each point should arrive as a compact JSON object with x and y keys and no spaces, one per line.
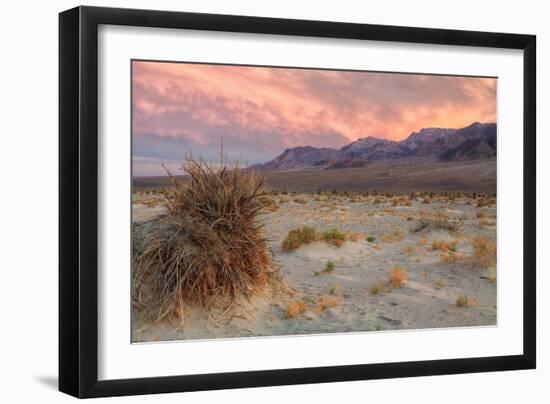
{"x":360,"y":260}
{"x":272,"y":201}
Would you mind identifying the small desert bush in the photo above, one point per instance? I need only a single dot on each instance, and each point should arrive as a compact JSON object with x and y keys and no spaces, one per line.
{"x":334,"y":237}
{"x":298,"y":237}
{"x":329,"y":267}
{"x":397,"y":276}
{"x":463,"y":301}
{"x":371,"y":239}
{"x":308,"y":234}
{"x":376,"y":288}
{"x":437,"y":221}
{"x":485,"y":252}
{"x":208,"y":249}
{"x":481,"y":215}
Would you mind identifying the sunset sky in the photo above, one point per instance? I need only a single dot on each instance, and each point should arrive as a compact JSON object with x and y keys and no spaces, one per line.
{"x":181,"y":108}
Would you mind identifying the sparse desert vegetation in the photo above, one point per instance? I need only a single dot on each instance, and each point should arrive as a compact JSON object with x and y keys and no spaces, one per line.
{"x":485,"y":252}
{"x":326,"y":261}
{"x":324,"y":208}
{"x":397,"y":277}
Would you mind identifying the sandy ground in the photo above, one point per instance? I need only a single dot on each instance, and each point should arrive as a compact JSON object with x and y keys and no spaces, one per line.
{"x":344,"y":300}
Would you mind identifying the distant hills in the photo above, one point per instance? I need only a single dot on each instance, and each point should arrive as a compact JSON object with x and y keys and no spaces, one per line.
{"x":438,"y":144}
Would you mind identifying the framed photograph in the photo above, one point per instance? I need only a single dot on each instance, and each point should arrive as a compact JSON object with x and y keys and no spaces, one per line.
{"x":251,"y":201}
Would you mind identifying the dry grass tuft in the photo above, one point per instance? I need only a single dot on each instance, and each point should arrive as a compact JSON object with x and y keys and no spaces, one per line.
{"x":209,"y":249}
{"x":326,"y":303}
{"x":437,"y":221}
{"x":397,"y":277}
{"x":485,"y":252}
{"x":464,"y":301}
{"x":376,"y":288}
{"x":444,"y":246}
{"x":295,"y":309}
{"x":393,"y":236}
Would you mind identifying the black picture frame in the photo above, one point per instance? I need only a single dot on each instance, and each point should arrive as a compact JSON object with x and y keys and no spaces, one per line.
{"x":78,"y":200}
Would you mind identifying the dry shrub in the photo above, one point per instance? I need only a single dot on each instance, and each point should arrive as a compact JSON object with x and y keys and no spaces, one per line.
{"x":485,"y":252}
{"x":437,"y":221}
{"x":376,"y":288}
{"x":326,"y":303}
{"x":297,"y":237}
{"x":295,"y":309}
{"x":481,"y":215}
{"x":209,"y":249}
{"x":396,"y":235}
{"x":444,"y":246}
{"x":334,"y":237}
{"x":464,"y":301}
{"x":397,"y":276}
{"x":308,"y":234}
{"x":447,"y":258}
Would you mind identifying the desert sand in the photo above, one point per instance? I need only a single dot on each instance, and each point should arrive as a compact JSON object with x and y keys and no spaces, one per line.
{"x":444,"y":287}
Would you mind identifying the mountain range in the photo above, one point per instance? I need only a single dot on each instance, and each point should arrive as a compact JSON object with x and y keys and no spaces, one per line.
{"x":438,"y":144}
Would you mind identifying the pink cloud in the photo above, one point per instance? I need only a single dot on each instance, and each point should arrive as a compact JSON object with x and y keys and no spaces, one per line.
{"x":277,"y":108}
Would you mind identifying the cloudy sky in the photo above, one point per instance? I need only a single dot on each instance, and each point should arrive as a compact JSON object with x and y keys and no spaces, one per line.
{"x":181,"y":108}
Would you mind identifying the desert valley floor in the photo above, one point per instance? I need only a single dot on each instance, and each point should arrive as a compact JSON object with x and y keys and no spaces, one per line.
{"x":434,"y":239}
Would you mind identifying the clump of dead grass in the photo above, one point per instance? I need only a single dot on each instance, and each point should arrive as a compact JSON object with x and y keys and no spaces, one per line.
{"x":397,"y":277}
{"x":437,"y":221}
{"x":463,"y":300}
{"x":295,"y":309}
{"x":445,"y":246}
{"x":393,"y":236}
{"x":208,"y":250}
{"x":485,"y":252}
